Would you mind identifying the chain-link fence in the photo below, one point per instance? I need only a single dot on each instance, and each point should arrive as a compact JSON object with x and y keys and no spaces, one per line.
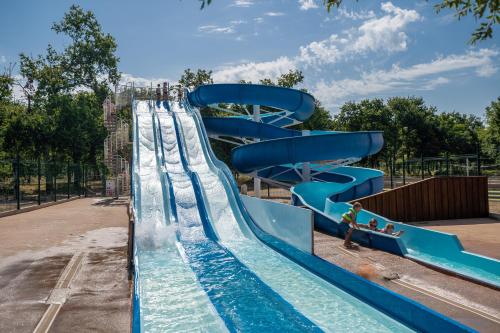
{"x":28,"y":183}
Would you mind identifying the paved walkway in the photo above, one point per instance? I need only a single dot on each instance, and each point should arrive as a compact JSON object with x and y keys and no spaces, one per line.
{"x":69,"y":257}
{"x":472,"y":304}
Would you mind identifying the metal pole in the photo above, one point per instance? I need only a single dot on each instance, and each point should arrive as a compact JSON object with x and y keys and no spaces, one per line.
{"x":79,"y":179}
{"x":306,"y":166}
{"x":422,"y":165}
{"x":68,"y":178}
{"x":39,"y":180}
{"x":447,"y":164}
{"x":404,"y":170}
{"x":467,"y":166}
{"x":478,"y":148}
{"x":17,"y":182}
{"x":55,"y":181}
{"x":391,"y":171}
{"x":256,"y":180}
{"x":103,"y":175}
{"x":84,"y":181}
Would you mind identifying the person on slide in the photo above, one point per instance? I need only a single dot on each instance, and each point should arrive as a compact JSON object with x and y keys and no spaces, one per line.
{"x":349,"y":217}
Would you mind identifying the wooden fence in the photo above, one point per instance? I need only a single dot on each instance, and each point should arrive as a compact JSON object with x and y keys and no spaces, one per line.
{"x":437,"y":198}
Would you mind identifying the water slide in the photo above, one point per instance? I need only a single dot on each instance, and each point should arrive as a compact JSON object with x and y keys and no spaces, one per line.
{"x":203,"y":264}
{"x":280,"y":154}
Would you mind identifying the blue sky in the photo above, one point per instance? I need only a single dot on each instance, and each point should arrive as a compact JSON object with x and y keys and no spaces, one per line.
{"x":368,"y":49}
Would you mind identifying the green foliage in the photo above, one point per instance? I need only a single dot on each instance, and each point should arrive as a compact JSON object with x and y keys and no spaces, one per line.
{"x":491,"y":134}
{"x":6,"y":82}
{"x":410,"y":127}
{"x":191,"y":80}
{"x":488,"y":9}
{"x":62,"y":121}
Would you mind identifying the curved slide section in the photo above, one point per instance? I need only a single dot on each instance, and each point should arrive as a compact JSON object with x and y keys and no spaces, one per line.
{"x":296,"y":101}
{"x":333,"y":146}
{"x":431,"y":247}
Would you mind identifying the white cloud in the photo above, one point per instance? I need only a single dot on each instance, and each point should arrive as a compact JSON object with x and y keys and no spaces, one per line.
{"x":242,"y":3}
{"x":237,"y":22}
{"x":3,"y":59}
{"x":386,"y":31}
{"x":334,"y":49}
{"x":361,"y":15}
{"x":417,"y":77}
{"x":215,"y":29}
{"x":272,"y":14}
{"x":258,"y":19}
{"x":307,"y":4}
{"x":375,"y":34}
{"x":140,"y":81}
{"x":254,"y":71}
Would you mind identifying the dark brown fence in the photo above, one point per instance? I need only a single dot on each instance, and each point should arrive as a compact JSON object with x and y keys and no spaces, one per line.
{"x":438,"y":198}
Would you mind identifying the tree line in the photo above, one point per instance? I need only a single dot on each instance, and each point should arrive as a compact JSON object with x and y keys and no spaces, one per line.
{"x":61,"y":117}
{"x":411,"y":127}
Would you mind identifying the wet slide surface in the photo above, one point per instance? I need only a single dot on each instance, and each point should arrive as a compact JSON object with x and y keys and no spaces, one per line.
{"x":241,"y":299}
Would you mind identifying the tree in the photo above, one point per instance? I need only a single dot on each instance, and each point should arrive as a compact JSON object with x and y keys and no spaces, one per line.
{"x":491,"y":137}
{"x":487,"y":9}
{"x":89,"y":60}
{"x":191,"y":80}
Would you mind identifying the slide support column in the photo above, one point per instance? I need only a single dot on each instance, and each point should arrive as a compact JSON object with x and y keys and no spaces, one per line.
{"x":256,"y":181}
{"x":306,"y":166}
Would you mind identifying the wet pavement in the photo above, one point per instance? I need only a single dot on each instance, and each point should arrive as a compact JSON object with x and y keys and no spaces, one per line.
{"x":36,"y":249}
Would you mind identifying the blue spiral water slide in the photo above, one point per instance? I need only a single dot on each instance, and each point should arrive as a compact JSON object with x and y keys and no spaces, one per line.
{"x":280,"y":154}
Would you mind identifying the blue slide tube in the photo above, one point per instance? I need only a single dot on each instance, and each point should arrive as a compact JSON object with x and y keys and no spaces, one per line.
{"x":296,"y":101}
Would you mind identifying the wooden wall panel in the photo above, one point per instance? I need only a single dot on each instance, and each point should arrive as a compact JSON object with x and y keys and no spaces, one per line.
{"x":436,"y":198}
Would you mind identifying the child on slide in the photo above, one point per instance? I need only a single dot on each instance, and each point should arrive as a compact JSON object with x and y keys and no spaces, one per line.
{"x":389,"y":229}
{"x":349,"y":217}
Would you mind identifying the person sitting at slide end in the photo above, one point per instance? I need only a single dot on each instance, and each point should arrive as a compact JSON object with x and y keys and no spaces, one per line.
{"x":389,"y":229}
{"x":372,"y":225}
{"x":349,"y":217}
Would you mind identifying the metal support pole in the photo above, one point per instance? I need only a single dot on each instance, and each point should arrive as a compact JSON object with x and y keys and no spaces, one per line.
{"x":55,"y":181}
{"x":447,"y":164}
{"x":39,"y":170}
{"x":391,"y":171}
{"x":84,"y":181}
{"x":17,"y":187}
{"x":467,"y":166}
{"x":256,"y":181}
{"x":404,"y":170}
{"x":422,"y":165}
{"x":68,"y":178}
{"x":79,"y":179}
{"x":306,"y":166}
{"x":478,"y":148}
{"x":103,"y":175}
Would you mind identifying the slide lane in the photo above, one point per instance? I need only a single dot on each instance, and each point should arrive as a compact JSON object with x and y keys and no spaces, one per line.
{"x":167,"y":297}
{"x":244,"y":302}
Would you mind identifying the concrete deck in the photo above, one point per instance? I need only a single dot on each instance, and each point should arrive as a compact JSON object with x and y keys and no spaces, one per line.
{"x":72,"y":256}
{"x":469,"y":303}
